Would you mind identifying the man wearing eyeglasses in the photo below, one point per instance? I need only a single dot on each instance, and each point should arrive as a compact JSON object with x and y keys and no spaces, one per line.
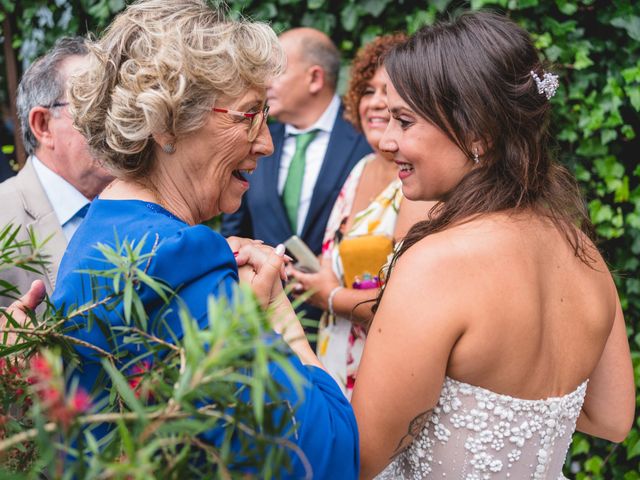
{"x":51,"y":193}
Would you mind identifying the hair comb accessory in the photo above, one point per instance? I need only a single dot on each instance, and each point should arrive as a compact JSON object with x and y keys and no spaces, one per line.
{"x":547,"y":85}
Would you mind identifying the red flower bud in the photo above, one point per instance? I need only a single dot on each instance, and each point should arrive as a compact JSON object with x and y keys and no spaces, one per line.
{"x":81,"y":401}
{"x":40,"y":367}
{"x":50,"y":395}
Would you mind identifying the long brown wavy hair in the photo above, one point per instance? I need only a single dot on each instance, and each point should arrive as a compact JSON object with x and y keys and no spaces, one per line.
{"x":472,"y":77}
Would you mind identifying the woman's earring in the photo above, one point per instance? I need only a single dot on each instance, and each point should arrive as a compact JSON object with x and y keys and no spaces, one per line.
{"x":169,"y":148}
{"x":476,"y":159}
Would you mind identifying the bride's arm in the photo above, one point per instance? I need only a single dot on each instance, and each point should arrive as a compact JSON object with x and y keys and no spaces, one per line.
{"x":406,"y":353}
{"x":609,"y":405}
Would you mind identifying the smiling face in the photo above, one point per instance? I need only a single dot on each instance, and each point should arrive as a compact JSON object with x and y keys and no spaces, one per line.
{"x":373,"y":110}
{"x":213,"y":161}
{"x":431,"y":165}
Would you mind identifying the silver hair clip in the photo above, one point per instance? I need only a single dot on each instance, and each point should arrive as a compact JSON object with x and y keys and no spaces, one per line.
{"x":547,"y":85}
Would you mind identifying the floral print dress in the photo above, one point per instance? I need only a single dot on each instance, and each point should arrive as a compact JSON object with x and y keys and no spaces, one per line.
{"x":340,"y":342}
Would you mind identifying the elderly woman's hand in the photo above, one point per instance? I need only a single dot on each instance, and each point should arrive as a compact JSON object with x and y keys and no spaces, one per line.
{"x":18,"y":309}
{"x":318,"y":284}
{"x":235,"y":243}
{"x":262,"y":267}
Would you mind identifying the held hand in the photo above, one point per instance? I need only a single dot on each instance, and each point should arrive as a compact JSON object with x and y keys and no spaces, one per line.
{"x":262,"y":267}
{"x":252,"y":254}
{"x":235,"y":243}
{"x":18,"y":309}
{"x":319,"y":284}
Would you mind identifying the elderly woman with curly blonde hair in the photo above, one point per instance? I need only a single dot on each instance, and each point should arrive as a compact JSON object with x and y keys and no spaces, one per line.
{"x":174,"y":105}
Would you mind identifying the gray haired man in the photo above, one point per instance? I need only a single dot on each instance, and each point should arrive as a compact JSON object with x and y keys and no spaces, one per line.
{"x":52,"y":191}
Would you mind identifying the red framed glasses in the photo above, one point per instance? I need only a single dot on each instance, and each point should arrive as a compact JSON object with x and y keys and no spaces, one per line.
{"x":256,"y":119}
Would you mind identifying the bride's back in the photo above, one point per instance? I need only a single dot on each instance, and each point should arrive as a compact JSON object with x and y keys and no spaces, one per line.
{"x":540,"y":315}
{"x":535,"y":322}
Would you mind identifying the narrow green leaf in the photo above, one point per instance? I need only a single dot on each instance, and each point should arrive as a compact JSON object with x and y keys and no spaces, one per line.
{"x":124,"y":390}
{"x":127,"y":300}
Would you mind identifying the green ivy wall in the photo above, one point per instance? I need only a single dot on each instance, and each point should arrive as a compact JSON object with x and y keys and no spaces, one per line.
{"x":596,"y":47}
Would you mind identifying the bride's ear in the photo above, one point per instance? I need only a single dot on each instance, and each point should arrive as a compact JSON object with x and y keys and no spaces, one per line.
{"x":479,"y":147}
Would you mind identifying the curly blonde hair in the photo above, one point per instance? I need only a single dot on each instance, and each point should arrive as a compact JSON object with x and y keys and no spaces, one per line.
{"x":158,"y":69}
{"x":363,"y":68}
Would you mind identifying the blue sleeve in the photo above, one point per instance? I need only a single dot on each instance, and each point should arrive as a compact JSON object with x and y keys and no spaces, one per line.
{"x":326,"y":426}
{"x":197,"y":262}
{"x":193,"y":261}
{"x":323,"y":426}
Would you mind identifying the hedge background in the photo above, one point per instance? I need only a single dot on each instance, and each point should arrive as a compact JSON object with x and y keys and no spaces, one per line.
{"x":596,"y":47}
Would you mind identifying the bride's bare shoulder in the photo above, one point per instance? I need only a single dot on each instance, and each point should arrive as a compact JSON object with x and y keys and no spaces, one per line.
{"x":492,"y":239}
{"x":476,"y":236}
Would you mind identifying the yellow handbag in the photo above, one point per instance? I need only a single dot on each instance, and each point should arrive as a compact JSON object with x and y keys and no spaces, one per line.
{"x":363,"y":256}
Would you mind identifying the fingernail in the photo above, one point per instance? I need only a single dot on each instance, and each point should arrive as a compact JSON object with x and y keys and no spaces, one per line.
{"x":235,"y":254}
{"x":280,"y":250}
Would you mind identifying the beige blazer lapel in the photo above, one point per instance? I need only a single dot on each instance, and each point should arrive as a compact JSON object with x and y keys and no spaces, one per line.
{"x":44,"y":221}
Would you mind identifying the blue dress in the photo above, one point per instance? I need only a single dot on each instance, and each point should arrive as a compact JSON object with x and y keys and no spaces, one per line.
{"x":197,"y":262}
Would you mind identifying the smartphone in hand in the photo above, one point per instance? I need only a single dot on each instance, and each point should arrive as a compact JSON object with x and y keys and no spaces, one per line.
{"x":306,"y":259}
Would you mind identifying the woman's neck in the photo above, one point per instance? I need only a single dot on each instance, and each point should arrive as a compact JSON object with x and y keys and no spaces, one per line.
{"x":126,"y":189}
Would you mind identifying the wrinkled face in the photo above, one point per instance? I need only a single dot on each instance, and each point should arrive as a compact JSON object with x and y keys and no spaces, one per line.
{"x":430,"y":164}
{"x":216,"y":159}
{"x":373,"y":110}
{"x":70,"y":157}
{"x":289,"y":93}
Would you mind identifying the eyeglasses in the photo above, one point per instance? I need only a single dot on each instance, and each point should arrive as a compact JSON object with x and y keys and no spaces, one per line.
{"x":256,"y":119}
{"x":56,"y":105}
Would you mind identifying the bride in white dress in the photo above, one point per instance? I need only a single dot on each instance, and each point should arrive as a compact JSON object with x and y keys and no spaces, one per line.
{"x":499,"y":332}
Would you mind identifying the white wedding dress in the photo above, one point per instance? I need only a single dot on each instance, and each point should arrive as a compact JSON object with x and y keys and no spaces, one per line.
{"x":476,"y":434}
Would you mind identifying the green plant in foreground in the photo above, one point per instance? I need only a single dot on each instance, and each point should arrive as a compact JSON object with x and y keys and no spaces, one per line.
{"x":160,"y":405}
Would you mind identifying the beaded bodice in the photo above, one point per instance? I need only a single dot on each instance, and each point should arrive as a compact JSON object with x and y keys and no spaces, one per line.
{"x":476,"y":434}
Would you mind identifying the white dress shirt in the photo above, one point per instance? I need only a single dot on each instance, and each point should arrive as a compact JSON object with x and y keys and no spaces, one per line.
{"x":314,"y":156}
{"x":64,"y":198}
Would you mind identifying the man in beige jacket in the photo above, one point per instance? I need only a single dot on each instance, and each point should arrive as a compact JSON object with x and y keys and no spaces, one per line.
{"x":52,"y":191}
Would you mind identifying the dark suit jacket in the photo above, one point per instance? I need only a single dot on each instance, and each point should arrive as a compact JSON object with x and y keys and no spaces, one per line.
{"x":262,"y":214}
